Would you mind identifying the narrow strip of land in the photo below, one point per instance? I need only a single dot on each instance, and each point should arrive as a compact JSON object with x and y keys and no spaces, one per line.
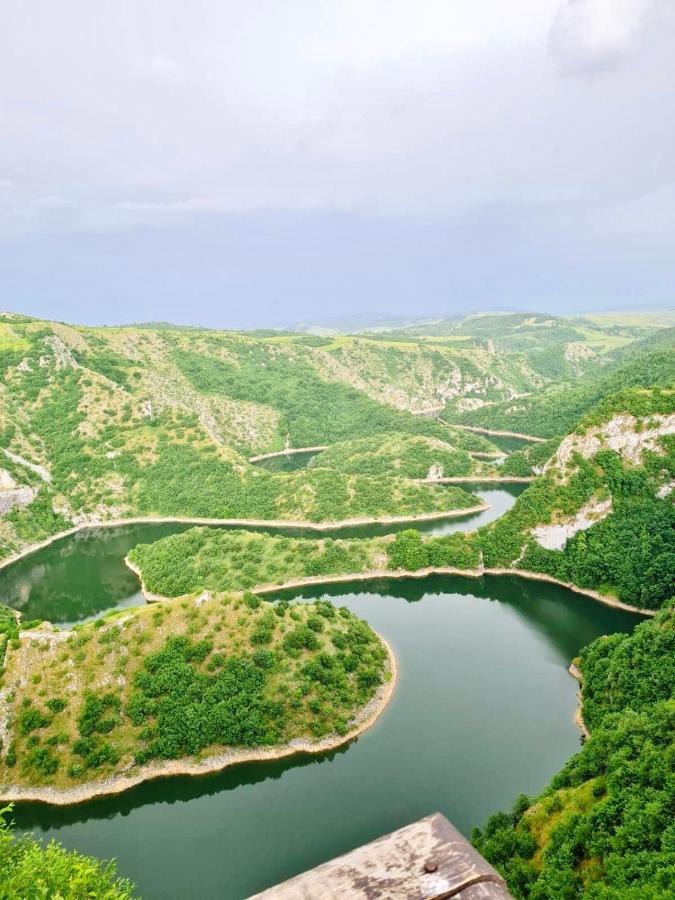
{"x":376,"y":574}
{"x":298,"y":524}
{"x":290,"y":451}
{"x":513,"y":434}
{"x":478,"y":479}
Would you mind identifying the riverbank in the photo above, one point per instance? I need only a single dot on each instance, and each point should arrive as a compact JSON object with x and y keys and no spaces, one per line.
{"x":376,"y":574}
{"x":116,"y":784}
{"x":291,"y":451}
{"x":248,"y":523}
{"x":478,"y":479}
{"x":511,"y":434}
{"x":575,"y":672}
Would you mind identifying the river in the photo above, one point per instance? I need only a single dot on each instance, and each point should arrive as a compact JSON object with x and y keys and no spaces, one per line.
{"x":483,"y":710}
{"x":83,"y":575}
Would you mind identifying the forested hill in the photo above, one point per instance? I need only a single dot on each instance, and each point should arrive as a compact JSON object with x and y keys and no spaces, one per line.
{"x":601,"y":513}
{"x":99,"y":424}
{"x":557,"y":408}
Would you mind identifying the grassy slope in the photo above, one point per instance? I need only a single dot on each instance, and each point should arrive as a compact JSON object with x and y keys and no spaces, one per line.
{"x":392,"y":453}
{"x":124,"y":432}
{"x":183,"y":679}
{"x":134,"y":421}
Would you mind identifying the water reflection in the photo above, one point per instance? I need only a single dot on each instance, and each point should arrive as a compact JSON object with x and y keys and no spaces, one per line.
{"x":169,"y":790}
{"x":289,"y":463}
{"x":483,"y":710}
{"x":82,"y":575}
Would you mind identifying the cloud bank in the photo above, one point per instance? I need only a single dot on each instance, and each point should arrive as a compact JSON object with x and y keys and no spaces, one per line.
{"x":547,"y":123}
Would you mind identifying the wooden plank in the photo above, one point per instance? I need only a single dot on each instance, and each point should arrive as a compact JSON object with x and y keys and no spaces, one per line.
{"x":427,"y":860}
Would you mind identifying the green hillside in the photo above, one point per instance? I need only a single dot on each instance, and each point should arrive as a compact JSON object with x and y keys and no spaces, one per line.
{"x":104,"y":424}
{"x":556,"y":409}
{"x":392,"y":453}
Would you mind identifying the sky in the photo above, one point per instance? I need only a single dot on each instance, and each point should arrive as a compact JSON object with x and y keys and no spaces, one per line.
{"x":264,"y":162}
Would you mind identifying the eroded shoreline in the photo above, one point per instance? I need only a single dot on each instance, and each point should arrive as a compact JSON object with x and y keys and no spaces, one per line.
{"x":377,"y":574}
{"x":478,"y":479}
{"x":291,"y":451}
{"x":575,"y":672}
{"x":116,"y":784}
{"x":514,"y":434}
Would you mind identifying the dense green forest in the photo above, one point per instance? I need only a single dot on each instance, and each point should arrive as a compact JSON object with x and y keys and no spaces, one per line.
{"x":605,"y":826}
{"x":528,"y":461}
{"x":220,"y":560}
{"x":393,"y":453}
{"x":312,"y":411}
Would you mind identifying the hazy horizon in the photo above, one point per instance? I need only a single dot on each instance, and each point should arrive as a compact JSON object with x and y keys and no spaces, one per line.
{"x":353,"y":324}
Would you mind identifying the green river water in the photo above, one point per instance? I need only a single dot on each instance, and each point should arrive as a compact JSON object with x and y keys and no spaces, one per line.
{"x":482,"y":711}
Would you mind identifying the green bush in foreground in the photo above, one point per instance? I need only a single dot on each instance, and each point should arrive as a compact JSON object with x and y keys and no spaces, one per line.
{"x":605,"y":827}
{"x":30,"y":870}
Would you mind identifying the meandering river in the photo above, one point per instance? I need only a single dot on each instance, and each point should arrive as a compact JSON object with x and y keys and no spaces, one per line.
{"x":483,"y":710}
{"x":82,"y":575}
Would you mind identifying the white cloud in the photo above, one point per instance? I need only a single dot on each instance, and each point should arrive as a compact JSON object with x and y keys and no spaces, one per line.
{"x":165,"y":70}
{"x":53,"y":201}
{"x":591,"y":35}
{"x":396,"y":108}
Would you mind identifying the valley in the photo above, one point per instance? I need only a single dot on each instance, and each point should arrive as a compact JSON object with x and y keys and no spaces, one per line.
{"x":463,"y":494}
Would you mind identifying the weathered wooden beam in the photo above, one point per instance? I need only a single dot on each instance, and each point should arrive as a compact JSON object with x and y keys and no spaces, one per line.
{"x":428,"y":860}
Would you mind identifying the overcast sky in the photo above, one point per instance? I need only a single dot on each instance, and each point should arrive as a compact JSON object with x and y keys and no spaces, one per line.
{"x":258,"y":162}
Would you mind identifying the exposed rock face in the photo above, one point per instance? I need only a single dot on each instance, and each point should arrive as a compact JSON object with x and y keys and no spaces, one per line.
{"x":13,"y":495}
{"x":554,"y":537}
{"x":619,"y":434}
{"x":421,"y":383}
{"x":62,"y":355}
{"x":435,"y":472}
{"x":577,"y":351}
{"x":19,"y":460}
{"x":665,"y":490}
